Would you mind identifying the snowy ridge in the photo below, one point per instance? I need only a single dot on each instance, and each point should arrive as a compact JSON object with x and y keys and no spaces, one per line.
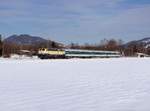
{"x":120,"y":84}
{"x":145,"y":42}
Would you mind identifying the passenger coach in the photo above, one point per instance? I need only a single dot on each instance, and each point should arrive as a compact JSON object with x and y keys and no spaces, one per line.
{"x":71,"y":53}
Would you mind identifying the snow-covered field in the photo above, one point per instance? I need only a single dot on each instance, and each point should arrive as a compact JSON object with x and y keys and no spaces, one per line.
{"x":121,"y":84}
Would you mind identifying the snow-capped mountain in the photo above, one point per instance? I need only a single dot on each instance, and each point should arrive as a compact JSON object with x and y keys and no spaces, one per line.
{"x":146,"y":42}
{"x":143,"y":42}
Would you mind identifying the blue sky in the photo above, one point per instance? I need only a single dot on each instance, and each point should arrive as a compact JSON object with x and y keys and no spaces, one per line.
{"x":79,"y":21}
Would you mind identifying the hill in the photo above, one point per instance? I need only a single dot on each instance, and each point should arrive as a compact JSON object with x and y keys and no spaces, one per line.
{"x":142,"y":42}
{"x":25,"y":39}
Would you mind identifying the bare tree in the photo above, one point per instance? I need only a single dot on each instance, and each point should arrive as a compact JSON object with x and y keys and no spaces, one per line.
{"x":1,"y":45}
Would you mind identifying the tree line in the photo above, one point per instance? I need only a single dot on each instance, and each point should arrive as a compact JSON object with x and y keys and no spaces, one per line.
{"x":6,"y":49}
{"x":114,"y":45}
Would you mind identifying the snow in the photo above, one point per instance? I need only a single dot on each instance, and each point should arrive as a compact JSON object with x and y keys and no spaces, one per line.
{"x":146,"y":40}
{"x":25,"y":57}
{"x":147,"y":46}
{"x":118,"y":84}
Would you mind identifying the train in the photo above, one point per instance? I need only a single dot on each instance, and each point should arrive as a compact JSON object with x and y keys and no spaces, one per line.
{"x":45,"y":53}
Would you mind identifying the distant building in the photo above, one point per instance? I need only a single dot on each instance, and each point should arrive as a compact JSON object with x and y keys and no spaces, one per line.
{"x":26,"y":52}
{"x":141,"y":55}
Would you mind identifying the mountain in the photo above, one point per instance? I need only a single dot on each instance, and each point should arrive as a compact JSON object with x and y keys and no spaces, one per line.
{"x":142,"y":42}
{"x":25,"y":39}
{"x":145,"y":42}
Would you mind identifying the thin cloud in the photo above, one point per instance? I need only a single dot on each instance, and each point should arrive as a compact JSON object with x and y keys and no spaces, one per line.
{"x":76,"y":20}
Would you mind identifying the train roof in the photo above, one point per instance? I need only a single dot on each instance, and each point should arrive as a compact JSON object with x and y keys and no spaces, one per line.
{"x":81,"y":50}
